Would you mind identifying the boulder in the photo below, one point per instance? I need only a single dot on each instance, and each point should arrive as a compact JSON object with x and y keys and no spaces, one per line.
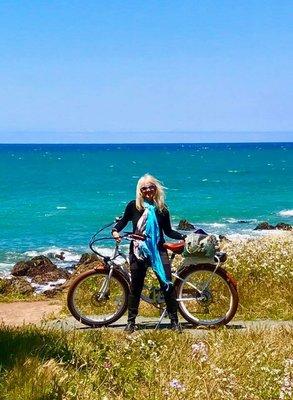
{"x":82,"y":268}
{"x":36,"y":266}
{"x":51,"y":276}
{"x":283,"y":226}
{"x":87,"y":258}
{"x":17,"y":285}
{"x":224,"y":239}
{"x":263,"y":226}
{"x":52,"y":292}
{"x":184,"y":225}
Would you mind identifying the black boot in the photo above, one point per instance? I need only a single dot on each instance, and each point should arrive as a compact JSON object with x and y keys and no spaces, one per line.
{"x":175,"y":326}
{"x":133,"y":303}
{"x":130,"y":327}
{"x":172,"y":308}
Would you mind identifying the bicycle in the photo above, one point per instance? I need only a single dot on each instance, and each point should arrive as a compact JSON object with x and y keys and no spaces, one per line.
{"x":206,"y":292}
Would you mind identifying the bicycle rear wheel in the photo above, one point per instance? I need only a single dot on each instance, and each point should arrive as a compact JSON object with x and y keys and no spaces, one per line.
{"x":95,"y":300}
{"x":214,"y":302}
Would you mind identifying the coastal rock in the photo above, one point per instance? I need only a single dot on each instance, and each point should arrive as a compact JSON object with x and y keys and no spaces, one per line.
{"x":82,"y":268}
{"x":51,"y":276}
{"x":224,"y":239}
{"x":52,"y":292}
{"x":263,"y":226}
{"x":280,"y":226}
{"x":184,"y":225}
{"x":36,"y":266}
{"x":17,"y":285}
{"x":283,"y":226}
{"x":87,"y":258}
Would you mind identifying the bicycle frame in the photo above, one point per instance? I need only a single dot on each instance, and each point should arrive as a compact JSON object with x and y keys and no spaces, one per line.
{"x":118,"y":253}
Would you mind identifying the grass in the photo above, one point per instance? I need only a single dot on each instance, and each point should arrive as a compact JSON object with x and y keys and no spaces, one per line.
{"x":10,"y":297}
{"x":44,"y":364}
{"x":263,"y":269}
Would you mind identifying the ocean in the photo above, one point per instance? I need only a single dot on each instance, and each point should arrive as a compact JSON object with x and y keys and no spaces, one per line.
{"x":54,"y":196}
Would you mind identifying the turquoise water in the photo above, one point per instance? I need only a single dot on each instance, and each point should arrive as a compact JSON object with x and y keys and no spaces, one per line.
{"x":56,"y":196}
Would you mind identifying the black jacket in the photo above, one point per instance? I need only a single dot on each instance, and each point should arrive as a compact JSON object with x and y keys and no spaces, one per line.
{"x":132,"y":214}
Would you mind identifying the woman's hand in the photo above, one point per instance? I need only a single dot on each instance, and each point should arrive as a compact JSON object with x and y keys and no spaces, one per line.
{"x":116,"y":236}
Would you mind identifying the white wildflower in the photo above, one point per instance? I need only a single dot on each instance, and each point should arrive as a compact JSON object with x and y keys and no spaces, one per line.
{"x":200,"y":351}
{"x":286,"y":390}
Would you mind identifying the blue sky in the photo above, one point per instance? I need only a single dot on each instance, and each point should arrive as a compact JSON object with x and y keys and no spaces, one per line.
{"x":82,"y":70}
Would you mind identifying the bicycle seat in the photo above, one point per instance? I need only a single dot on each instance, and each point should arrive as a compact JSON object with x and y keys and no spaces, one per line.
{"x":175,"y":247}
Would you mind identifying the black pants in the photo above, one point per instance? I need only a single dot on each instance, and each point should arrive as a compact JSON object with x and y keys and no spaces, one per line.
{"x":138,"y":271}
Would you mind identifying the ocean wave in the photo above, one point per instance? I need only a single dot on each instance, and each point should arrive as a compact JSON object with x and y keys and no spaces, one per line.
{"x":5,"y":269}
{"x":71,"y":256}
{"x":52,"y":252}
{"x":240,"y":221}
{"x":286,"y":213}
{"x":251,"y":234}
{"x":215,"y":225}
{"x":48,"y":286}
{"x":61,"y":208}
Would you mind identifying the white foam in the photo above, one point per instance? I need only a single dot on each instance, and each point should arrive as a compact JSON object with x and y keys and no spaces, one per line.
{"x":254,"y":234}
{"x":5,"y":269}
{"x":69,"y":256}
{"x":217,"y":225}
{"x":109,"y":252}
{"x":48,"y":286}
{"x":238,"y":221}
{"x":232,"y":220}
{"x":61,"y":208}
{"x":286,"y":213}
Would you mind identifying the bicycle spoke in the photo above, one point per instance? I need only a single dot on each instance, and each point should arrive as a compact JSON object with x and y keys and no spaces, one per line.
{"x":97,"y":299}
{"x":205,"y":297}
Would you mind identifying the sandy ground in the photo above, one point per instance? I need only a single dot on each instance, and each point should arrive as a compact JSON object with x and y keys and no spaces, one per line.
{"x":19,"y":313}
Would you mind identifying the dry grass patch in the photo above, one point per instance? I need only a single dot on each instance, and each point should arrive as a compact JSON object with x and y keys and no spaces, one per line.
{"x":103,"y":364}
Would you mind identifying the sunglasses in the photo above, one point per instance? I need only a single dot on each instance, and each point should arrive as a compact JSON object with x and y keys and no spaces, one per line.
{"x":146,"y":188}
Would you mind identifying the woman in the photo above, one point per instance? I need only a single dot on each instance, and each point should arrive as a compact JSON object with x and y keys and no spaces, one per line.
{"x":150,"y":218}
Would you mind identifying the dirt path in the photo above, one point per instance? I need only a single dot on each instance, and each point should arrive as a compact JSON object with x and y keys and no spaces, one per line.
{"x":19,"y":313}
{"x":30,"y":312}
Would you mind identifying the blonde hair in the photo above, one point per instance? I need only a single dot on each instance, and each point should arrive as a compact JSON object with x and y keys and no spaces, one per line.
{"x":159,"y":198}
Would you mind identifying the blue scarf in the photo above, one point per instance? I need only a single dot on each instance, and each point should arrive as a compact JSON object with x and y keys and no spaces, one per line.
{"x":148,"y":225}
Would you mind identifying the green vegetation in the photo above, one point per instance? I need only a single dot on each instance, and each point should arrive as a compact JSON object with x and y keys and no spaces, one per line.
{"x":42,"y":364}
{"x":263,"y":269}
{"x":10,"y":297}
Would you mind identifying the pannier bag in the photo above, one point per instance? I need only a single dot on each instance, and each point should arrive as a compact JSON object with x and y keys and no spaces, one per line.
{"x":200,"y":245}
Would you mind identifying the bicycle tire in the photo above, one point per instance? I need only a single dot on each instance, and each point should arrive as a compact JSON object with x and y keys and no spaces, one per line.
{"x":204,"y":310}
{"x":84,"y":304}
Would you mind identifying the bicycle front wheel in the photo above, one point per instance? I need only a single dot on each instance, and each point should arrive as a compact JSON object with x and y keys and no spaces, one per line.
{"x":97,"y":300}
{"x":206,"y":297}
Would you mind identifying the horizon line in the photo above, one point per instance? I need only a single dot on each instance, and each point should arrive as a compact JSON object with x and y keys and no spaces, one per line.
{"x":136,"y":143}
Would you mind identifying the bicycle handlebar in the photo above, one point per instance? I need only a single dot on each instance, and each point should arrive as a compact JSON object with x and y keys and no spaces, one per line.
{"x":127,"y":236}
